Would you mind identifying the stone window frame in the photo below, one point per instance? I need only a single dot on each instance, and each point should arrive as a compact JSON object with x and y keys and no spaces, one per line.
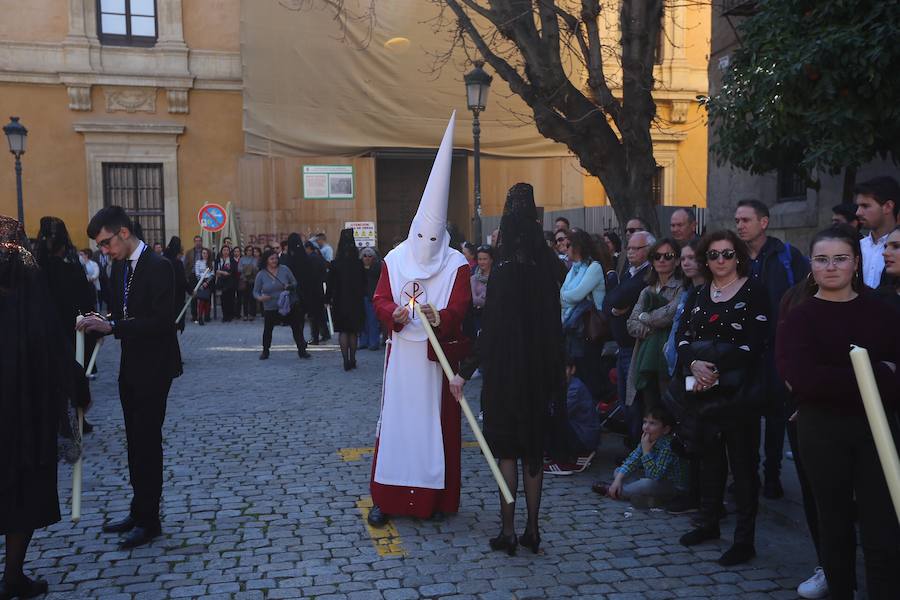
{"x":135,"y":143}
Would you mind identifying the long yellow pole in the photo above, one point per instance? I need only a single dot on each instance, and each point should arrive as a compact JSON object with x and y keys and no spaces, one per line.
{"x":77,"y":468}
{"x":482,"y":443}
{"x":194,"y":293}
{"x":881,"y":432}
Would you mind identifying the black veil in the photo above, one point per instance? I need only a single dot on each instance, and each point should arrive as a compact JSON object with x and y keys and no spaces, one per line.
{"x":37,"y":371}
{"x":521,"y":343}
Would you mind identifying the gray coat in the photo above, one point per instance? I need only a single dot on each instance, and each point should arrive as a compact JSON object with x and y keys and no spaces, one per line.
{"x":266,"y":285}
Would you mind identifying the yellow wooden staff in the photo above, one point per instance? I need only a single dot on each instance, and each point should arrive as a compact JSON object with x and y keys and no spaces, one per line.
{"x":482,"y":443}
{"x":881,"y":431}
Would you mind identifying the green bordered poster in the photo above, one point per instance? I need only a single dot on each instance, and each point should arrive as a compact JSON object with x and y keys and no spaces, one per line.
{"x":328,"y":182}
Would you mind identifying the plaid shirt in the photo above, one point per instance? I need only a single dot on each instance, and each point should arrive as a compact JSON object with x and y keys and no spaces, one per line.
{"x":661,"y":463}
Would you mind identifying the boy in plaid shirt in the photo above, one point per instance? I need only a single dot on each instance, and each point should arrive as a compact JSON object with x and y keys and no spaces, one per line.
{"x":652,"y":470}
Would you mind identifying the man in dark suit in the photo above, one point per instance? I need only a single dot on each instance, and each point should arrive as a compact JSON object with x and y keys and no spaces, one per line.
{"x":142,"y":307}
{"x":617,"y":304}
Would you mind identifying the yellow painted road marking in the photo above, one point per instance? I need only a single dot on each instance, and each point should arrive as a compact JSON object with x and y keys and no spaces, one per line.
{"x":386,"y":539}
{"x":355,"y":454}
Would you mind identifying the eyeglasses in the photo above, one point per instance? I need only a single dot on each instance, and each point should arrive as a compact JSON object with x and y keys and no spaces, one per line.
{"x":634,"y":229}
{"x":635,"y":249}
{"x":715,"y":254}
{"x":664,"y":255}
{"x":560,"y":240}
{"x":483,"y":249}
{"x":839,"y":260}
{"x":105,"y":243}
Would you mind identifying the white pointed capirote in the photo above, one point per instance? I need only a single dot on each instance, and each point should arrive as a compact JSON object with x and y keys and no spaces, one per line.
{"x":429,"y":241}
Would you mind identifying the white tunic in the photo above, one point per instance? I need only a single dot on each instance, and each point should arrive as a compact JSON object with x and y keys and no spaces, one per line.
{"x":410,"y":443}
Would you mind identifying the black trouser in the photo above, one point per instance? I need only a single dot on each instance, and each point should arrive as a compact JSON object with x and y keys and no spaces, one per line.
{"x":809,"y":501}
{"x":144,"y":409}
{"x":733,"y":443}
{"x":318,"y":324}
{"x":227,"y":297}
{"x":774,"y":439}
{"x":841,"y":460}
{"x":248,"y":302}
{"x":294,"y":319}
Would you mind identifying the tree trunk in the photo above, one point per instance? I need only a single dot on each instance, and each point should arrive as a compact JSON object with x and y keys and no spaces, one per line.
{"x":849,"y":184}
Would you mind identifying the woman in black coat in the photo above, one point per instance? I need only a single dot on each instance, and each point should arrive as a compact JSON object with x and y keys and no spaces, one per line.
{"x":173,"y":253}
{"x":226,"y":282}
{"x":346,"y":291}
{"x":37,"y":379}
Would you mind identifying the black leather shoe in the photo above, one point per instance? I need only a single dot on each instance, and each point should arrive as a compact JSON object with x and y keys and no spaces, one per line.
{"x":699,"y":535}
{"x":126,"y":524}
{"x":25,"y":588}
{"x":140,"y":536}
{"x":737,"y":555}
{"x":509,"y":543}
{"x":377,"y":518}
{"x":264,"y":355}
{"x":304,"y":354}
{"x":87,"y":427}
{"x":531,"y":541}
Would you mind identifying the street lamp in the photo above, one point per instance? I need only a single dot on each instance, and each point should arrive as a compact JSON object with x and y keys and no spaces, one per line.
{"x":478,"y":84}
{"x":16,"y":135}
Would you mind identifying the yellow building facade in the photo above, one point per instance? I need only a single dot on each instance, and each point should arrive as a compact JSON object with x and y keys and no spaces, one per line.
{"x":159,"y":105}
{"x":133,"y":102}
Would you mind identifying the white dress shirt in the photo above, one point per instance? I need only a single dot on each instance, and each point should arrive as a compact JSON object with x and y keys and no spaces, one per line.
{"x":873,"y":258}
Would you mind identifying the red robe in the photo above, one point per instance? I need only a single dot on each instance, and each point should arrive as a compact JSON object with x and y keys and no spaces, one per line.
{"x":415,"y":501}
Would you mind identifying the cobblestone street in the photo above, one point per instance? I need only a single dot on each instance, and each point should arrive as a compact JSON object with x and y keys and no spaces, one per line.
{"x":266,"y":488}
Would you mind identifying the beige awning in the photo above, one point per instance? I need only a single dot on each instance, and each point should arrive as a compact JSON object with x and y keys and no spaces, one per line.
{"x":309,"y":93}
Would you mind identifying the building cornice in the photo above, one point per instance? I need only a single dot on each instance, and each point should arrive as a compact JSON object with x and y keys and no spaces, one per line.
{"x":128,"y":127}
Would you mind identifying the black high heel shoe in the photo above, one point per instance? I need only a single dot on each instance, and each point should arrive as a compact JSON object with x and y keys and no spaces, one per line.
{"x":505,"y":542}
{"x":531,"y":541}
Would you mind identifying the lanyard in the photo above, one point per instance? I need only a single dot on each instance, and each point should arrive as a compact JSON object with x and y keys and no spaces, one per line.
{"x":129,"y":277}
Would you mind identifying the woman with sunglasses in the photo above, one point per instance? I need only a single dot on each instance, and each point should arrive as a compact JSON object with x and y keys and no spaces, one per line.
{"x":836,"y":445}
{"x":720,"y":343}
{"x":649,"y":324}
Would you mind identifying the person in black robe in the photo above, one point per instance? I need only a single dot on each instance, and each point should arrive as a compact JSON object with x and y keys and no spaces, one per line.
{"x":314,"y":295}
{"x":173,"y":253}
{"x":346,"y":290}
{"x":38,"y":377}
{"x":520,"y":355}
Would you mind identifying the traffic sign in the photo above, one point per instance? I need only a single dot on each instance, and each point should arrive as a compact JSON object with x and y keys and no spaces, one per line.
{"x":212,"y":217}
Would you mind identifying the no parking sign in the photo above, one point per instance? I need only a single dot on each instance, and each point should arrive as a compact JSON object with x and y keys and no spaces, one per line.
{"x":212,"y":217}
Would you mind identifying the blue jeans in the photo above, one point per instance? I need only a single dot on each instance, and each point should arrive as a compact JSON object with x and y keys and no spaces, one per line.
{"x":370,"y":337}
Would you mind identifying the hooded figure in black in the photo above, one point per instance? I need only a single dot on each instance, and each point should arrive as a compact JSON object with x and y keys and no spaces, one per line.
{"x":38,"y":375}
{"x":520,"y":354}
{"x":309,"y":282}
{"x":346,"y":290}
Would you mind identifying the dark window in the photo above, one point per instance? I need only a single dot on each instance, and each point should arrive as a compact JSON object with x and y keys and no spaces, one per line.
{"x":138,"y":188}
{"x":656,"y":186}
{"x":791,"y":185}
{"x":127,"y":22}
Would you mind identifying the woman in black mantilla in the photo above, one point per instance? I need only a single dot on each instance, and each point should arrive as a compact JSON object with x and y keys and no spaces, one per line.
{"x":520,"y":354}
{"x":346,"y":290}
{"x":38,"y":377}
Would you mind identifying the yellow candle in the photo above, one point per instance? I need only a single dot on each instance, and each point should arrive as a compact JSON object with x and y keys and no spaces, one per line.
{"x":77,"y":467}
{"x":881,"y":432}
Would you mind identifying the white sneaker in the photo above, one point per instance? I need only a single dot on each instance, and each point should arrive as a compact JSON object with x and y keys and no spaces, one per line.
{"x":814,"y":587}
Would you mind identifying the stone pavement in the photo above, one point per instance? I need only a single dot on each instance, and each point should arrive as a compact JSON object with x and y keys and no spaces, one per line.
{"x":266,"y":485}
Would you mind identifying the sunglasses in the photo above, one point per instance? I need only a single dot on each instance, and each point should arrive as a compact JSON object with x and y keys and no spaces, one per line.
{"x":664,"y":255}
{"x":560,"y":240}
{"x":715,"y":254}
{"x":633,"y":230}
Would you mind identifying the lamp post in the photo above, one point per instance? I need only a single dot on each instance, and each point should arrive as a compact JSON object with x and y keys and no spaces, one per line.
{"x":478,"y":84}
{"x":16,"y":135}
